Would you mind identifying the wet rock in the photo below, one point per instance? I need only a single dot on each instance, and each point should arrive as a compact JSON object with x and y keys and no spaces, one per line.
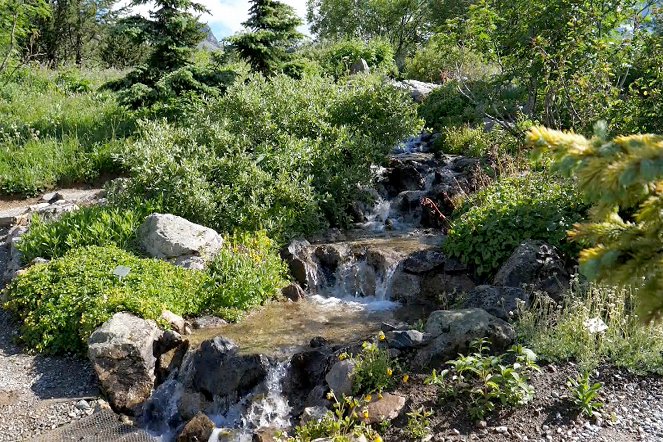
{"x":318,"y":342}
{"x":406,"y":339}
{"x":341,"y":377}
{"x":405,"y":287}
{"x":168,"y":236}
{"x":317,"y":397}
{"x":402,"y":176}
{"x":170,"y":361}
{"x":293,"y":292}
{"x":302,"y":268}
{"x":315,"y":414}
{"x":176,"y":322}
{"x":444,"y":287}
{"x":360,"y":67}
{"x":169,"y":340}
{"x":217,"y":369}
{"x":198,"y":429}
{"x":537,"y":265}
{"x":266,"y":435}
{"x":424,"y":261}
{"x":122,"y":354}
{"x":386,"y":408}
{"x":503,"y":302}
{"x":452,"y":331}
{"x":207,"y":322}
{"x":308,"y":368}
{"x":191,"y":403}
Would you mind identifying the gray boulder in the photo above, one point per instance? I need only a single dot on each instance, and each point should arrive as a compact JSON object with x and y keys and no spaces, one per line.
{"x":293,"y":292}
{"x":341,"y":377}
{"x":122,"y":354}
{"x":360,"y":67}
{"x":537,"y":265}
{"x":406,"y":339}
{"x":419,"y":90}
{"x":167,"y":236}
{"x":217,"y":369}
{"x":453,"y":330}
{"x":503,"y":302}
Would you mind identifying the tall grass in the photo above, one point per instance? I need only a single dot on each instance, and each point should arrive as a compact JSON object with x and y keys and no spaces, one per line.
{"x":559,"y":333}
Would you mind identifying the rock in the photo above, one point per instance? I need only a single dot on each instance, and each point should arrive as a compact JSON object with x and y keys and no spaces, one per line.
{"x":360,"y":67}
{"x":198,"y":429}
{"x":317,"y":397}
{"x":340,"y":377}
{"x":190,"y":262}
{"x":443,"y":287}
{"x":424,"y":261}
{"x":418,"y":89}
{"x":452,"y":331}
{"x":401,"y":177}
{"x":293,"y":292}
{"x":168,"y":236}
{"x":537,"y":265}
{"x":51,"y":197}
{"x":14,"y":256}
{"x":318,"y":342}
{"x":386,"y":408}
{"x":405,"y":339}
{"x":169,"y":340}
{"x":83,"y":405}
{"x":8,"y":217}
{"x":191,"y":403}
{"x":315,"y":414}
{"x":503,"y":302}
{"x":405,"y":287}
{"x":268,"y":434}
{"x":177,"y":322}
{"x":122,"y":354}
{"x":308,"y":368}
{"x":207,"y":322}
{"x":302,"y":268}
{"x":217,"y":369}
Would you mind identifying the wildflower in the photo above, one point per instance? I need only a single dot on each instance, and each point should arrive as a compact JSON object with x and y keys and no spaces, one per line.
{"x":379,"y":395}
{"x":342,"y":356}
{"x":381,"y":336}
{"x":389,"y":372}
{"x":406,"y":378}
{"x":365,"y":413}
{"x":330,"y":396}
{"x":368,"y":398}
{"x":377,"y":438}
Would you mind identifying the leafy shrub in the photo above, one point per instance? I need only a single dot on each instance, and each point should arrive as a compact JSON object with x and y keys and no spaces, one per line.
{"x":490,"y":224}
{"x":283,"y":155}
{"x":476,"y":142}
{"x":418,"y":423}
{"x":584,"y":395}
{"x":561,"y":333}
{"x":374,"y":368}
{"x":446,"y":106}
{"x":247,"y":272}
{"x":336,"y":58}
{"x":486,"y":380}
{"x":89,"y":226}
{"x":62,"y":302}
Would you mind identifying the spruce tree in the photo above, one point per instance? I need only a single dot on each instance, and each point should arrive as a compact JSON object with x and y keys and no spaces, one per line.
{"x":270,"y":30}
{"x":623,"y":179}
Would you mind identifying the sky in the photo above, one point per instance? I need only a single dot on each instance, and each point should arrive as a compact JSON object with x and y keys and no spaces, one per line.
{"x":226,"y":16}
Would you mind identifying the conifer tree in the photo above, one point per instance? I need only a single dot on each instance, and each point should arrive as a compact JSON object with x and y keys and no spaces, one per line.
{"x":623,"y":179}
{"x":270,"y":30}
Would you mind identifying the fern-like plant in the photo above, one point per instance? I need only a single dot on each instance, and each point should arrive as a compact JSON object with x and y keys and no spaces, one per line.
{"x":623,"y":179}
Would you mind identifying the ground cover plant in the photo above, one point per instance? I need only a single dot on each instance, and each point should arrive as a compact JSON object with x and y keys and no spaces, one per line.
{"x":490,"y":224}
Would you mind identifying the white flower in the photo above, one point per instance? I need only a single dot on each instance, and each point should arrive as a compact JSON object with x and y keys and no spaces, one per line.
{"x":595,"y":325}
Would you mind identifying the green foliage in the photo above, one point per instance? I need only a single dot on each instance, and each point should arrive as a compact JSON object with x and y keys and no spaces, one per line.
{"x":561,"y":333}
{"x":476,"y":142}
{"x":418,"y":423}
{"x":246,"y":273}
{"x":584,"y":395}
{"x":282,"y":155}
{"x":621,"y":178}
{"x":374,"y":370}
{"x":89,"y":226}
{"x":486,"y":380}
{"x":270,"y":30}
{"x":62,"y":302}
{"x":17,"y":18}
{"x":490,"y":224}
{"x":343,"y":424}
{"x":336,"y":58}
{"x":447,"y":107}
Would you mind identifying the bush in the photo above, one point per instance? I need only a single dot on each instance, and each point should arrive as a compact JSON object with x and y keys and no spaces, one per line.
{"x":488,"y":227}
{"x":375,"y":370}
{"x":476,"y":142}
{"x":446,"y":106}
{"x":62,"y":302}
{"x":89,"y":226}
{"x":336,"y":58}
{"x":283,"y":155}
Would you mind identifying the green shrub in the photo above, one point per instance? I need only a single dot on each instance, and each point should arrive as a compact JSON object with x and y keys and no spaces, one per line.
{"x":485,"y":380}
{"x":336,"y":58}
{"x":446,"y":106}
{"x":283,"y":155}
{"x":89,"y":226}
{"x":561,"y":333}
{"x":375,"y":370}
{"x":62,"y":302}
{"x":490,"y":224}
{"x":584,"y":395}
{"x":476,"y":142}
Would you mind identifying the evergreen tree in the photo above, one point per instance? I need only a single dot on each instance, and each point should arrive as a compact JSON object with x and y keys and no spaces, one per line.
{"x":623,"y":179}
{"x":270,"y":30}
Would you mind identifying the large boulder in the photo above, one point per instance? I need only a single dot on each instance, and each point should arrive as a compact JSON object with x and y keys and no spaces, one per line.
{"x":301,"y":266}
{"x":167,"y":236}
{"x":453,"y":330}
{"x":503,"y":302}
{"x":217,"y":369}
{"x":198,"y":429}
{"x":537,"y":265}
{"x":122,"y":354}
{"x":419,"y":90}
{"x":340,"y":377}
{"x":387,"y":407}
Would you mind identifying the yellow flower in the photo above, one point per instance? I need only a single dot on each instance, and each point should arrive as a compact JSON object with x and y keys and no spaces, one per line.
{"x":342,"y":356}
{"x":330,"y":395}
{"x":406,"y":378}
{"x":389,"y":372}
{"x":365,"y":413}
{"x":381,"y":336}
{"x":379,"y":395}
{"x":377,"y":438}
{"x":368,"y":398}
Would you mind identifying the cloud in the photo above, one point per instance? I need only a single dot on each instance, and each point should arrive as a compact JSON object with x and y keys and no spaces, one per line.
{"x":226,"y":16}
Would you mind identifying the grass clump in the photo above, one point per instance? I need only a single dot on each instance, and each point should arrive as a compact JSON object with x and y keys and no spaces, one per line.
{"x":490,"y":224}
{"x":596,"y":324}
{"x":60,"y":303}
